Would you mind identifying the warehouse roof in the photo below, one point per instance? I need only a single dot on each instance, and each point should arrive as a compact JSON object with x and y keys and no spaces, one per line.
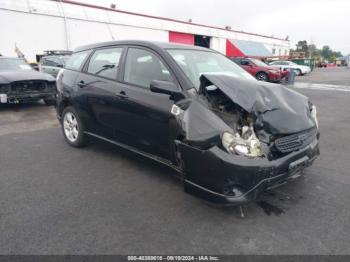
{"x":250,"y":48}
{"x":161,"y":18}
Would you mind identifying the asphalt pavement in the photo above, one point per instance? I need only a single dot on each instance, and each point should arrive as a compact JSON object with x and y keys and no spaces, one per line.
{"x":55,"y":199}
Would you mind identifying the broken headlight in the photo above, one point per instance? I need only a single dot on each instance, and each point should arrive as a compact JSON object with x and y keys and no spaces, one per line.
{"x":235,"y":144}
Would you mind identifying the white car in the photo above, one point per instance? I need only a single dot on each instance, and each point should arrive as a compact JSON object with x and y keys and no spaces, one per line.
{"x":299,"y":69}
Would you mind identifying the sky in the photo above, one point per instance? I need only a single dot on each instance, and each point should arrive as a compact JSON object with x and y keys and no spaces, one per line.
{"x":321,"y":22}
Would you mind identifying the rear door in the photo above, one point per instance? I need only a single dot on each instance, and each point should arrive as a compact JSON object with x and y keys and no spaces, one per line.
{"x":98,"y":88}
{"x":145,"y":116}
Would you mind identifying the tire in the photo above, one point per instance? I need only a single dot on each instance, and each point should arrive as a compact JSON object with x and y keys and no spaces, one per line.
{"x":298,"y":72}
{"x":261,"y":76}
{"x":73,"y":128}
{"x":50,"y":101}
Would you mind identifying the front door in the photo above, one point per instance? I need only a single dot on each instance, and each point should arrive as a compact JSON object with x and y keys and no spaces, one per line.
{"x":145,"y":115}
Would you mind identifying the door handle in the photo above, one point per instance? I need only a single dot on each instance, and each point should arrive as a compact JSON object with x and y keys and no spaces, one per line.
{"x":122,"y":94}
{"x":81,"y":84}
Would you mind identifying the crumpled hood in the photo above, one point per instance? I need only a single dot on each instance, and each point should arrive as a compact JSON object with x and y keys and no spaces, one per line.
{"x":7,"y":77}
{"x":277,"y":109}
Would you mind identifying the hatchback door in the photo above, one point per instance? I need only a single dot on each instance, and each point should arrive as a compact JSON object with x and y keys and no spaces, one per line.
{"x":145,"y":116}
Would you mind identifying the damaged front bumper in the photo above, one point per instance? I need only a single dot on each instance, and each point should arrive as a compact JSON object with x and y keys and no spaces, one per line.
{"x":224,"y":178}
{"x":28,"y":97}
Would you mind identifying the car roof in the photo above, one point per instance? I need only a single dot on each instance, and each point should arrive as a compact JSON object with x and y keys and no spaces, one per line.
{"x":150,"y":44}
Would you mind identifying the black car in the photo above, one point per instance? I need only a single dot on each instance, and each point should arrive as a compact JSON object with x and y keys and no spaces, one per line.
{"x":19,"y":82}
{"x":191,"y":108}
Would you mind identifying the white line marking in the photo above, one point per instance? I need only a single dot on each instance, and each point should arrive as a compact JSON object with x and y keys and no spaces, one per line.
{"x":327,"y":87}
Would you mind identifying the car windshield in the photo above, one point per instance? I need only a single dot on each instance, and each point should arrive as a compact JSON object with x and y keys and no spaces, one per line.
{"x":258,"y":62}
{"x":194,"y":63}
{"x":65,"y":58}
{"x":7,"y":64}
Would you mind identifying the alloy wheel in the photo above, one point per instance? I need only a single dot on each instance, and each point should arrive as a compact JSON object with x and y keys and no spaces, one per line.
{"x":71,"y":128}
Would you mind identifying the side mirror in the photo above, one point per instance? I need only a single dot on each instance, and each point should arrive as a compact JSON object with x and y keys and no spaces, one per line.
{"x":164,"y":87}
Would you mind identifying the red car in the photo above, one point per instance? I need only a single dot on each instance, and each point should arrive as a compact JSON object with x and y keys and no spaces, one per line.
{"x":259,"y":69}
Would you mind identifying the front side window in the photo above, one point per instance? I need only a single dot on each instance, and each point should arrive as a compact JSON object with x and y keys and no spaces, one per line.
{"x":76,"y":61}
{"x":142,"y":67}
{"x":258,"y":62}
{"x":194,"y":63}
{"x":105,"y":62}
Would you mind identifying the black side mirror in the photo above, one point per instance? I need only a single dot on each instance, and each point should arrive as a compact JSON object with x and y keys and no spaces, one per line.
{"x":164,"y":87}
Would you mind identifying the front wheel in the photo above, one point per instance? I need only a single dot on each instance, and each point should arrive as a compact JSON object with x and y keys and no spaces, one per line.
{"x":73,"y":128}
{"x":261,"y":76}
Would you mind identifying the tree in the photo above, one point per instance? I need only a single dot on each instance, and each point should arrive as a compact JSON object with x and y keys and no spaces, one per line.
{"x":302,"y":46}
{"x":326,"y":52}
{"x":312,"y":51}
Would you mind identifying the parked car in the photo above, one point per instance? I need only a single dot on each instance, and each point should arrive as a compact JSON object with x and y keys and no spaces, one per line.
{"x":259,"y":69}
{"x":284,"y":65}
{"x":19,"y":82}
{"x":227,"y":134}
{"x":52,"y":64}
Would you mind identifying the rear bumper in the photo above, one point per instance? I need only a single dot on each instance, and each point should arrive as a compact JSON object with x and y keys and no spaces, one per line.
{"x":227,"y":179}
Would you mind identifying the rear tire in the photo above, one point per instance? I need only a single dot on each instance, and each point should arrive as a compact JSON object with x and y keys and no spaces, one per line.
{"x":298,"y":72}
{"x":261,"y":76}
{"x":73,"y":128}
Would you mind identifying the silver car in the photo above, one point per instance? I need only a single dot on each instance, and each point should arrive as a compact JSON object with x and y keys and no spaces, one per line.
{"x":52,"y":64}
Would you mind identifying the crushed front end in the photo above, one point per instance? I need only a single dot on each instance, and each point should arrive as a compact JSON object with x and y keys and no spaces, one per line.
{"x":27,"y":91}
{"x":239,"y":143}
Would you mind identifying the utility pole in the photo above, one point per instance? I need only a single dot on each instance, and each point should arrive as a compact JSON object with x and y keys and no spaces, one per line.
{"x":65,"y":25}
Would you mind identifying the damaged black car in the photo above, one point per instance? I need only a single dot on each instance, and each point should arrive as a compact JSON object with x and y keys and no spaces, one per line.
{"x":229,"y":136}
{"x":19,"y":83}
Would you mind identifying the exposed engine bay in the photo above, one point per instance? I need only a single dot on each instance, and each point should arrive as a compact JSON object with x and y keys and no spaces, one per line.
{"x":247,"y":119}
{"x":243,"y":140}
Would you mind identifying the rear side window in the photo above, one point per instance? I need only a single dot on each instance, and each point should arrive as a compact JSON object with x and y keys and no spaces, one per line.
{"x":245,"y":62}
{"x":143,"y":66}
{"x":76,"y":61}
{"x":105,"y":62}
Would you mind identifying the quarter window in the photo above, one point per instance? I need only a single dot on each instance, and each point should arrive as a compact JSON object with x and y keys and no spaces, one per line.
{"x":142,"y":67}
{"x":76,"y":61}
{"x":105,"y":62}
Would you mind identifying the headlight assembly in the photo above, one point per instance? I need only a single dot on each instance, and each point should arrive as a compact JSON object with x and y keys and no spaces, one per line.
{"x":235,"y":144}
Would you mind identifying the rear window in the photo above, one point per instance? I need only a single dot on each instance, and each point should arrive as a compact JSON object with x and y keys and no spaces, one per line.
{"x":76,"y":61}
{"x":51,"y":61}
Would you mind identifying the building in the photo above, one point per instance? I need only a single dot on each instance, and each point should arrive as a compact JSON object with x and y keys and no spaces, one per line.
{"x":37,"y":25}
